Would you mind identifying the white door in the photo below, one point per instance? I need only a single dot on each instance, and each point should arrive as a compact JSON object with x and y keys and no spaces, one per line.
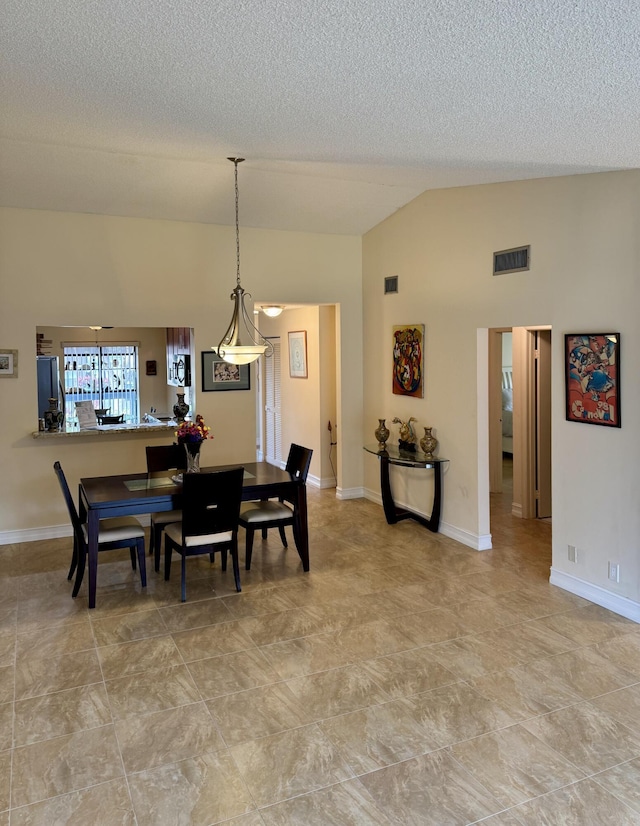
{"x":543,"y":424}
{"x":272,"y":421}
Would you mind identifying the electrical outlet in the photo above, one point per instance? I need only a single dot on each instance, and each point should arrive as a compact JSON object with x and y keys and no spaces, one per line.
{"x":614,"y":572}
{"x":572,"y":553}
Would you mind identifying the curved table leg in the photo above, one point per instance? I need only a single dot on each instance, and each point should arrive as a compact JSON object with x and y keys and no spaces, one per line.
{"x":390,"y":510}
{"x":395,"y":514}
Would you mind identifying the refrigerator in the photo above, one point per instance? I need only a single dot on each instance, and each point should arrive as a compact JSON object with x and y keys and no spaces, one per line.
{"x":49,"y":384}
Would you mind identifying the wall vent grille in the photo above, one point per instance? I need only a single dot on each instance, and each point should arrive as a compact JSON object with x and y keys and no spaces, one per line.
{"x":391,"y":284}
{"x":516,"y":259}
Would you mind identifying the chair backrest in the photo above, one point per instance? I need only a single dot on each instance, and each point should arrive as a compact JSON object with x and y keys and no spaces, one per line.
{"x":71,"y":506}
{"x":165,"y":457}
{"x":211,"y":502}
{"x":298,"y":462}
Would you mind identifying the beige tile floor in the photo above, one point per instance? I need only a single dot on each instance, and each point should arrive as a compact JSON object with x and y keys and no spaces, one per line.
{"x":405,"y":680}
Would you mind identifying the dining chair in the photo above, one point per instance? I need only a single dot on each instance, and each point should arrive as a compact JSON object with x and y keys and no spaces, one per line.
{"x":210,"y":513}
{"x":161,"y":458}
{"x":270,"y":513}
{"x":124,"y":532}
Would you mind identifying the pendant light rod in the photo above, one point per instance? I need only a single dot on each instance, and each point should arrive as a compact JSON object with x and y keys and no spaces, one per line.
{"x":231,"y":348}
{"x":235,"y":162}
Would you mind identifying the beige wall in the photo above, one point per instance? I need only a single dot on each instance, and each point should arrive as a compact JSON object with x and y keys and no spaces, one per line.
{"x":60,"y":269}
{"x":583,"y":232}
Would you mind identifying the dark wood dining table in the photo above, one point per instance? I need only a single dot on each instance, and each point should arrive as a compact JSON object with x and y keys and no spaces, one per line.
{"x":139,"y":493}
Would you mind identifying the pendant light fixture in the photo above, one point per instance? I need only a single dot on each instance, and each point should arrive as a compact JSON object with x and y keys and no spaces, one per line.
{"x":231,"y":348}
{"x":272,"y":310}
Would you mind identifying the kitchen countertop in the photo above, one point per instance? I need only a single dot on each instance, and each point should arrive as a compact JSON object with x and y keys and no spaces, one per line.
{"x":108,"y":430}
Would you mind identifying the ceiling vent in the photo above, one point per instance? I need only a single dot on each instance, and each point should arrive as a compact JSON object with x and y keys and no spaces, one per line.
{"x":513,"y":260}
{"x":391,"y":284}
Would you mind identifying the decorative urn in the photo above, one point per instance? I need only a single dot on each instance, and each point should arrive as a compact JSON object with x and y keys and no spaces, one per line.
{"x":428,"y":443}
{"x":53,"y":417}
{"x":180,"y":408}
{"x":382,"y":433}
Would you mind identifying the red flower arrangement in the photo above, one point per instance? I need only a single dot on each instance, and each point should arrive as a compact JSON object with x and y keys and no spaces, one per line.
{"x":190,"y":432}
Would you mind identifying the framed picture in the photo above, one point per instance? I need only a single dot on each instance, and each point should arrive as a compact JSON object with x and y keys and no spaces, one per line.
{"x":592,"y":378}
{"x":408,"y":360}
{"x":220,"y":375}
{"x":8,"y":363}
{"x":298,"y":354}
{"x":152,"y":368}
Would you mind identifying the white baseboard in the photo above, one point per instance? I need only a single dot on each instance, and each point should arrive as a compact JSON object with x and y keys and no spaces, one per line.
{"x":472,"y":540}
{"x":350,"y":493}
{"x":479,"y":542}
{"x":51,"y":532}
{"x":317,"y":482}
{"x":594,"y":593}
{"x":35,"y":534}
{"x":373,"y":496}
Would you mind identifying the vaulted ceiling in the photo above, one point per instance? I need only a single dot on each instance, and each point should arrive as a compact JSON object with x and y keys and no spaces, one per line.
{"x":344,"y":109}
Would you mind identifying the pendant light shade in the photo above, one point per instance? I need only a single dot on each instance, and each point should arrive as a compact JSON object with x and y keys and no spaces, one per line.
{"x":231,"y":348}
{"x":272,"y":311}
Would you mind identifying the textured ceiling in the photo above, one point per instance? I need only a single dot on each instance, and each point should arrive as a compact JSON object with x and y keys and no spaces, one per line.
{"x":344,"y":109}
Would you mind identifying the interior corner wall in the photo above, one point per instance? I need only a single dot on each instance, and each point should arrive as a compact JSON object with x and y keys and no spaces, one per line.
{"x":328,"y":413}
{"x":59,"y":268}
{"x":583,"y":233}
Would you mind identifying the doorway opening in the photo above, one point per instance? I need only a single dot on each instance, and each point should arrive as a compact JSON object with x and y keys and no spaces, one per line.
{"x":271,"y":406}
{"x":519,"y":398}
{"x":297,"y":396}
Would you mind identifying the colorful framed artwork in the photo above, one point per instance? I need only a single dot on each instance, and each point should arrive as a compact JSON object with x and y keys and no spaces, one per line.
{"x":592,"y":378}
{"x":298,"y":354}
{"x":8,"y":363}
{"x":408,"y":360}
{"x":218,"y":374}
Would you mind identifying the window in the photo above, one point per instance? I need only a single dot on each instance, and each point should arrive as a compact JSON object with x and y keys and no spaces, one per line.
{"x":107,"y":375}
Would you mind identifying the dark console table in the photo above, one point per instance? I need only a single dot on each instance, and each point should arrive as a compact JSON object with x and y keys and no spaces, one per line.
{"x":394,"y":456}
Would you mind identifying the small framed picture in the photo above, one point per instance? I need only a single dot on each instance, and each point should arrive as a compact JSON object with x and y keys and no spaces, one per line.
{"x":152,"y":368}
{"x":220,"y":375}
{"x":8,"y":363}
{"x":592,"y":378}
{"x":298,"y":354}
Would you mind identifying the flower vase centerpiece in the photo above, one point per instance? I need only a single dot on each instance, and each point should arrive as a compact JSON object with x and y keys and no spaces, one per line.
{"x":192,"y":435}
